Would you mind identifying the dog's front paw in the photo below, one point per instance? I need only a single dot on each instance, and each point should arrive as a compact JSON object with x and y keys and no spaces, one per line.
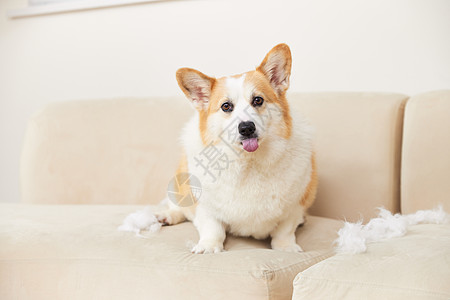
{"x":288,"y":247}
{"x":207,"y":247}
{"x":170,"y":217}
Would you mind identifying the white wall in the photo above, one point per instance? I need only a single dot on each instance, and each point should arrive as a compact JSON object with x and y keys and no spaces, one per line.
{"x":383,"y":45}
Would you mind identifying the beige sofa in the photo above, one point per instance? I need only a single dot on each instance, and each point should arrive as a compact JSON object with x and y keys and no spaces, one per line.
{"x":87,"y":164}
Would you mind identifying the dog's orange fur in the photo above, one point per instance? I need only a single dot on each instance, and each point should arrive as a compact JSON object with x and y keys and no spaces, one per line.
{"x":185,"y":189}
{"x":311,"y":190}
{"x":203,"y":117}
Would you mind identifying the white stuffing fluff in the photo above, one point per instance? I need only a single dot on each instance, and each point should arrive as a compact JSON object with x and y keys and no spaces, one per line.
{"x":140,"y":220}
{"x":353,"y":237}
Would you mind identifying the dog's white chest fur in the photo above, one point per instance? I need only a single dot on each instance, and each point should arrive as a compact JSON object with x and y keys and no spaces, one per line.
{"x":256,"y":190}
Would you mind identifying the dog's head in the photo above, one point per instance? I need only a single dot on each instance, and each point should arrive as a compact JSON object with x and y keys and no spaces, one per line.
{"x":242,"y":110}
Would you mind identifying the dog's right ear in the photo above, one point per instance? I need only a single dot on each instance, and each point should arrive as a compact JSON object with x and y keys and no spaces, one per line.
{"x":196,"y":86}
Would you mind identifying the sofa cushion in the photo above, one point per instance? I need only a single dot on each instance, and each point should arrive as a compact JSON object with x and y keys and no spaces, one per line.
{"x":76,"y":252}
{"x":415,"y":266}
{"x":426,"y":152}
{"x":121,"y":151}
{"x":358,"y":142}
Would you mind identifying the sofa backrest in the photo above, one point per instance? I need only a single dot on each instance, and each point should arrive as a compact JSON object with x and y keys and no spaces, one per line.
{"x":358,"y":142}
{"x":425,"y":179}
{"x":126,"y":151}
{"x":121,"y":151}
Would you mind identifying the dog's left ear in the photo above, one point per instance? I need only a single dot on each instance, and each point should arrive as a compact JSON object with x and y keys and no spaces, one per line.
{"x":276,"y":66}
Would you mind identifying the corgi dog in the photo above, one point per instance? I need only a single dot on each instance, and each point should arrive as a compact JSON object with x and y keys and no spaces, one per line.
{"x":251,"y":155}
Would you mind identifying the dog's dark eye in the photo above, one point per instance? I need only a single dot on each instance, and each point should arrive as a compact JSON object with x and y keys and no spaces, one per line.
{"x":227,"y":107}
{"x":257,"y":101}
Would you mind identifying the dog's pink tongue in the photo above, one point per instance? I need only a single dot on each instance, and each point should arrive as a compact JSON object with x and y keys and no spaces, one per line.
{"x":250,"y":145}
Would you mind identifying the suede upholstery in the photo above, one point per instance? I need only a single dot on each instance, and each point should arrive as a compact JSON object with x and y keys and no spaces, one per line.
{"x":121,"y":151}
{"x":426,"y":152}
{"x":412,"y":267}
{"x":76,"y":252}
{"x":371,"y":152}
{"x":126,"y":151}
{"x":358,"y":144}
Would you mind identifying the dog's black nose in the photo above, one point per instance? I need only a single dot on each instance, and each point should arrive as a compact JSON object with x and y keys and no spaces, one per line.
{"x":247,"y":128}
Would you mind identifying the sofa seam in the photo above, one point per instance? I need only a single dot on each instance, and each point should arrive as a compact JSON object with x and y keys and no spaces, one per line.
{"x":312,"y":261}
{"x":116,"y":262}
{"x":401,"y":112}
{"x":266,"y":280}
{"x":264,"y":273}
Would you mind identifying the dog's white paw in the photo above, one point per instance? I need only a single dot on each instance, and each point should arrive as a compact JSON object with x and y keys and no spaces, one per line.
{"x":287,"y":247}
{"x":205,"y":248}
{"x":170,"y":217}
{"x":164,"y":217}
